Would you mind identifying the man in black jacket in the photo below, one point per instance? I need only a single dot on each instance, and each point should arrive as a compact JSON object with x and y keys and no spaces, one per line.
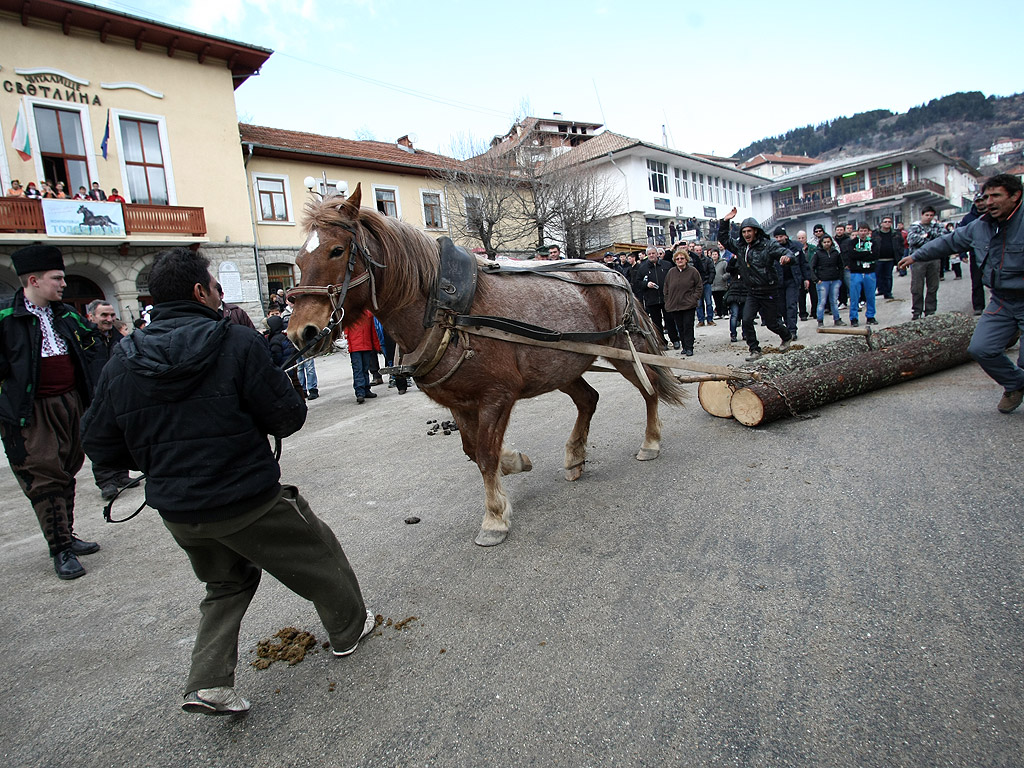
{"x":888,"y":245}
{"x":101,"y":317}
{"x":44,"y":385}
{"x":757,"y":254}
{"x":649,"y":284}
{"x":190,"y":400}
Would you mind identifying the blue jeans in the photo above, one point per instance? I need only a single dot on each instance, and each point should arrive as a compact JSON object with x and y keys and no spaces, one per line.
{"x":735,"y":314}
{"x":361,"y":362}
{"x":705,"y":301}
{"x":828,"y":290}
{"x":993,"y":334}
{"x":866,"y":282}
{"x":307,"y":374}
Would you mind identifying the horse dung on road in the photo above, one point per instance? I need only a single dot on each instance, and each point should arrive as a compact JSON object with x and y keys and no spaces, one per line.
{"x":461,"y":322}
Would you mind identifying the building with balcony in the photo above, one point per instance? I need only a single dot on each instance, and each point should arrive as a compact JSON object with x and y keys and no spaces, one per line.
{"x":89,"y":95}
{"x":866,"y":188}
{"x":664,"y":194}
{"x":396,"y":178}
{"x":772,"y":166}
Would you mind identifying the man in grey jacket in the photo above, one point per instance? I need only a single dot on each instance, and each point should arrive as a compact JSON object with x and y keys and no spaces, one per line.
{"x":998,"y":240}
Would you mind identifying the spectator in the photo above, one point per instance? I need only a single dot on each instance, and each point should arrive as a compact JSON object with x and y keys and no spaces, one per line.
{"x":139,"y":323}
{"x":827,"y":267}
{"x":363,"y":345}
{"x":101,"y":317}
{"x":190,"y":401}
{"x":977,"y":286}
{"x":122,"y":327}
{"x":924,"y":277}
{"x":793,"y":277}
{"x":757,"y":255}
{"x":902,"y":229}
{"x":306,"y":369}
{"x":115,"y":197}
{"x":32,"y":192}
{"x":844,"y":243}
{"x":60,"y":192}
{"x":807,"y":250}
{"x":719,"y":284}
{"x":706,"y":268}
{"x":862,"y":276}
{"x":47,"y":190}
{"x":888,"y":244}
{"x":96,"y":193}
{"x":735,"y":297}
{"x":44,"y":385}
{"x":15,"y":189}
{"x":683,"y":293}
{"x":648,"y":283}
{"x":83,"y":194}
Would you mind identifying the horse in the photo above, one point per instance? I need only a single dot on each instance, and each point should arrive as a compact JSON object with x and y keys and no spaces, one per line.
{"x":355,"y":258}
{"x":90,"y":219}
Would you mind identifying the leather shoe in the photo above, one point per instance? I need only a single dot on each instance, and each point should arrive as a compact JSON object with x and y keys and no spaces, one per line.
{"x":80,"y":547}
{"x":370,"y":395}
{"x":107,"y":492}
{"x":375,"y":381}
{"x":67,"y":566}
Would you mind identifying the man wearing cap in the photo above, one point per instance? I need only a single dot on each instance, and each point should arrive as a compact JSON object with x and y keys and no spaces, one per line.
{"x":44,"y":387}
{"x":795,"y":275}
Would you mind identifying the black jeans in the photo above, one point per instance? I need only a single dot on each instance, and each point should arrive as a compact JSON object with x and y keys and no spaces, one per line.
{"x":766,"y":305}
{"x":655,"y":312}
{"x":681,"y":322}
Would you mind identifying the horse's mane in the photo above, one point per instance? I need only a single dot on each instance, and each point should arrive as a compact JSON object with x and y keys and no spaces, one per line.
{"x":411,"y":258}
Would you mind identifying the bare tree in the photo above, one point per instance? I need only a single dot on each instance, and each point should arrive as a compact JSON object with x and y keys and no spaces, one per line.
{"x":582,"y":203}
{"x":483,"y":196}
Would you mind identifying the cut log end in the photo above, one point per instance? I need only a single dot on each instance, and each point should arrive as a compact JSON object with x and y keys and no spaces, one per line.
{"x":747,"y":408}
{"x":715,"y":398}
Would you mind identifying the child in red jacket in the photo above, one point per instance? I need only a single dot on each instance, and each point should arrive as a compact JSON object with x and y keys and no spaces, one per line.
{"x":363,"y":347}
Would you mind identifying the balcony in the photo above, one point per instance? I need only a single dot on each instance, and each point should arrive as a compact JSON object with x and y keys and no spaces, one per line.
{"x":18,"y":215}
{"x":795,"y":210}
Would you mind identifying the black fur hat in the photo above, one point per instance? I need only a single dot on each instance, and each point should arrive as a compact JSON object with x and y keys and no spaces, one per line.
{"x":37,"y":258}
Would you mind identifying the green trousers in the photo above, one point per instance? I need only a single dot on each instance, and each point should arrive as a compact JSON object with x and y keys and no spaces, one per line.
{"x":284,"y":538}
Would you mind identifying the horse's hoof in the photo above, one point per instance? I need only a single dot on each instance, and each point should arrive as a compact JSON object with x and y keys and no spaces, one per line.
{"x":527,"y":464}
{"x":489,"y":538}
{"x":574,"y":473}
{"x":646,"y":454}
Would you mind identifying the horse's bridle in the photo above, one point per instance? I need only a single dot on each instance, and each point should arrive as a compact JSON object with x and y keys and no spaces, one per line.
{"x":336,"y":293}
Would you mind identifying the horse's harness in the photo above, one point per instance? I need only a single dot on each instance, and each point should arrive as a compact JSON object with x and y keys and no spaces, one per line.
{"x":335,"y":293}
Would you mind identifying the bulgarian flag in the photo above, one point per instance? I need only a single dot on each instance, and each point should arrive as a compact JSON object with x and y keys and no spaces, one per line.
{"x":19,"y":136}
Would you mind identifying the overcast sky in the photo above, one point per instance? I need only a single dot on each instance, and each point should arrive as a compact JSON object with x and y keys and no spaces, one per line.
{"x":716,"y":75}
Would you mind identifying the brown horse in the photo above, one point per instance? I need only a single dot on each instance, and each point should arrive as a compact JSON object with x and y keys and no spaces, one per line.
{"x":395,"y":267}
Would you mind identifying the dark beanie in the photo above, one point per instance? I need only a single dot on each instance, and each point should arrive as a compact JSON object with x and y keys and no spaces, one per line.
{"x":780,"y":231}
{"x":37,"y":258}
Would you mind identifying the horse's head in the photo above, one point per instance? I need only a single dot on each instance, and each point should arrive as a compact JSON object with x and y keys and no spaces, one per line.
{"x":336,"y":269}
{"x":82,"y":209}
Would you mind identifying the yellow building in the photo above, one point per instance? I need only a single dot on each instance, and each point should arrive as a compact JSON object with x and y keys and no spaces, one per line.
{"x":91,"y":96}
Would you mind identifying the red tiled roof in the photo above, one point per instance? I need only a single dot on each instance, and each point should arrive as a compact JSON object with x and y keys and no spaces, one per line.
{"x":280,"y":142}
{"x":761,"y":159}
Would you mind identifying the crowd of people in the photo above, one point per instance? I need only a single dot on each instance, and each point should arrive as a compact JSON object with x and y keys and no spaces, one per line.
{"x":48,"y":190}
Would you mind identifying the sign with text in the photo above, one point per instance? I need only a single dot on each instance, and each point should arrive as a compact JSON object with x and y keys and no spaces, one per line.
{"x":83,"y":218}
{"x":710,"y":212}
{"x":856,"y":197}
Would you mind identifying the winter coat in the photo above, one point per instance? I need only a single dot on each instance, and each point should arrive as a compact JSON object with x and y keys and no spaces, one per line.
{"x":281,"y":347}
{"x":920,"y":233}
{"x":190,"y":400}
{"x":862,"y":256}
{"x":362,"y":334}
{"x":757,"y":261}
{"x":736,"y":293}
{"x":653,"y":272}
{"x":721,"y":280}
{"x":827,"y":265}
{"x":21,"y":349}
{"x":684,"y":289}
{"x":892,"y":236}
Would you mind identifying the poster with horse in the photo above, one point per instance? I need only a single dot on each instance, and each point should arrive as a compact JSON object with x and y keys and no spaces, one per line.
{"x":83,"y":218}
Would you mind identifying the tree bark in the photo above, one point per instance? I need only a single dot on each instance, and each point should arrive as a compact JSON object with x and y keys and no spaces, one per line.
{"x":715,"y":396}
{"x":763,"y":402}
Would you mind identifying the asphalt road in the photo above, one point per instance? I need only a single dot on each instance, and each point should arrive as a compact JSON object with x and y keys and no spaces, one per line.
{"x":841,"y":591}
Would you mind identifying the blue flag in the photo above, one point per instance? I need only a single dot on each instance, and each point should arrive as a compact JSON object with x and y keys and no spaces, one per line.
{"x":106,"y":137}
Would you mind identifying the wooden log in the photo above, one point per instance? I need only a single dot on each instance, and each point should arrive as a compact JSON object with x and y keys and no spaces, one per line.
{"x":803,"y":390}
{"x":715,"y":397}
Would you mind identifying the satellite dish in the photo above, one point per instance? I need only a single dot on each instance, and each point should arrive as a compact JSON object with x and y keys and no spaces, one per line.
{"x":414,"y":137}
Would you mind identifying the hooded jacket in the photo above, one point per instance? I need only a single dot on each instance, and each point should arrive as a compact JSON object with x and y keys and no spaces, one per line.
{"x":758,"y":259}
{"x":827,"y":265}
{"x":190,"y":400}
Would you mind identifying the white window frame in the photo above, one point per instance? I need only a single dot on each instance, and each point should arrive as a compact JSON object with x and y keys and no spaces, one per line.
{"x":87,"y":139}
{"x":423,"y":207}
{"x":659,"y":169}
{"x":388,"y":188}
{"x":332,"y":184}
{"x":290,"y":221}
{"x":165,"y":149}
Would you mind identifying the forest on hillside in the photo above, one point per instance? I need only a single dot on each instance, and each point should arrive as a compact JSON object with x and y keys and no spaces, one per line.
{"x":960,"y":124}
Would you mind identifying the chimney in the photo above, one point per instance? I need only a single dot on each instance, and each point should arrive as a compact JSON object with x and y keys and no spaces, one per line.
{"x":406,"y":142}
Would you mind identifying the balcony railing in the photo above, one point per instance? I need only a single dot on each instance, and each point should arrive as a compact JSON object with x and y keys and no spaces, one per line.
{"x":20,"y":215}
{"x":874,"y":193}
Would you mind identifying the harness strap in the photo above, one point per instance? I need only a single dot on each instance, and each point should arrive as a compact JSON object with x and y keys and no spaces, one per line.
{"x":535,"y":332}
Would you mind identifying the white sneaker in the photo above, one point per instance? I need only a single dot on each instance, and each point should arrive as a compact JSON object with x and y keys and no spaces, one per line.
{"x":368,"y":626}
{"x":215,"y":701}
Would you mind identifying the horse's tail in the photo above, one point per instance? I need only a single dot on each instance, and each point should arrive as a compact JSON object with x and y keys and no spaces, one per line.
{"x":668,"y":387}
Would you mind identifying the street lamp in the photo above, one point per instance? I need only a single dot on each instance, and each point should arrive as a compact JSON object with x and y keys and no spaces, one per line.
{"x":310,"y":182}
